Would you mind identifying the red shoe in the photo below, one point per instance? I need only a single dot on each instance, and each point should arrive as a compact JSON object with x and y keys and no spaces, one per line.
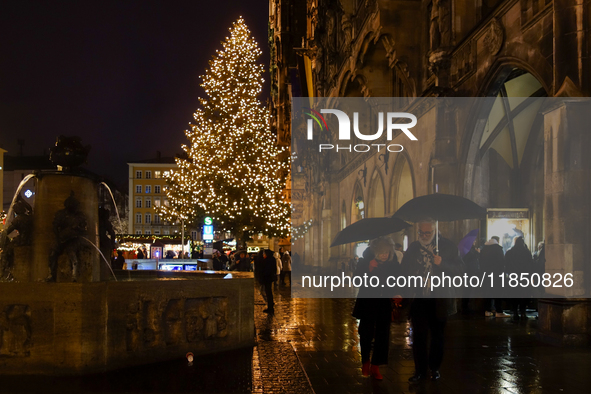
{"x":365,"y":368}
{"x":375,"y":372}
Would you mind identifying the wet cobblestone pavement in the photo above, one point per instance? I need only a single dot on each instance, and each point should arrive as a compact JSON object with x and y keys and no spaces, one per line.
{"x":482,"y":355}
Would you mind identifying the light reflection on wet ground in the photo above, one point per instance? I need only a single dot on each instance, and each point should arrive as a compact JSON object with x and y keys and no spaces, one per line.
{"x":482,"y":355}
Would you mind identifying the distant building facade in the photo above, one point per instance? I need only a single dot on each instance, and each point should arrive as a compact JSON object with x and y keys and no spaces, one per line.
{"x":147,"y":183}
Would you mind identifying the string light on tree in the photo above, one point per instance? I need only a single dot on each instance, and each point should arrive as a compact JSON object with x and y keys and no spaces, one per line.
{"x":232,"y":171}
{"x":299,"y":231}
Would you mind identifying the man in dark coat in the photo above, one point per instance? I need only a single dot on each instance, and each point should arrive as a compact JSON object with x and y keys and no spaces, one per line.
{"x":217,"y":262}
{"x":243,"y":263}
{"x":429,"y":311}
{"x":268,"y":276}
{"x":518,"y":261}
{"x":492,"y":261}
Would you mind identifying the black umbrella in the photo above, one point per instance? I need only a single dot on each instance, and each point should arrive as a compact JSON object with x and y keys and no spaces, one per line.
{"x":440,"y":207}
{"x":369,"y":228}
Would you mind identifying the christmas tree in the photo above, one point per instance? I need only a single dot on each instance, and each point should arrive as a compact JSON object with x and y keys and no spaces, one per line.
{"x":232,"y":170}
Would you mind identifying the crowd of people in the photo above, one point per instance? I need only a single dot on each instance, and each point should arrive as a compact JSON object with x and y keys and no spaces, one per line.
{"x":430,"y":255}
{"x":490,"y":258}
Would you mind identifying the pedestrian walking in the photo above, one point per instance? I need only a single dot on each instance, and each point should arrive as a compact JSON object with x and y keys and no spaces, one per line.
{"x":373,"y":306}
{"x":428,"y":316}
{"x":279,"y":264}
{"x":258,"y":273}
{"x":286,"y":268}
{"x":268,"y":276}
{"x":492,"y":261}
{"x":519,"y":261}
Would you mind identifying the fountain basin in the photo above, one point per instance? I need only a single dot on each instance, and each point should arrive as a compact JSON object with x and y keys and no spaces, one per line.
{"x":144,"y":317}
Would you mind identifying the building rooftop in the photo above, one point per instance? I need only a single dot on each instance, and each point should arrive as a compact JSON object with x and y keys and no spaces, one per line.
{"x":157,"y":160}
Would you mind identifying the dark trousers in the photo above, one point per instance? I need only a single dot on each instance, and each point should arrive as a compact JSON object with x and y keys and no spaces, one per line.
{"x":378,"y":331}
{"x":519,"y":306}
{"x":283,"y":275}
{"x":424,"y":321}
{"x":269,"y":293}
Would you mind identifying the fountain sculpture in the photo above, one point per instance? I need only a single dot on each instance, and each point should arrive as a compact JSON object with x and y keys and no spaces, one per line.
{"x":63,"y":310}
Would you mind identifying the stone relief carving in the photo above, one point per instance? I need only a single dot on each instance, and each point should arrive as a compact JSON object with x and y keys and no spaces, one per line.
{"x":493,"y":40}
{"x":15,"y":331}
{"x":440,"y":27}
{"x":206,"y":318}
{"x":132,"y":327}
{"x":463,"y":61}
{"x":150,"y":323}
{"x":172,"y":320}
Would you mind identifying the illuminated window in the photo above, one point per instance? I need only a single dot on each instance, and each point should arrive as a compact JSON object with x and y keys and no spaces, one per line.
{"x":138,"y":202}
{"x":157,"y":174}
{"x":157,"y":202}
{"x":166,"y":202}
{"x":138,"y":188}
{"x":166,"y":174}
{"x":148,"y":218}
{"x":138,"y":175}
{"x":157,"y":189}
{"x":138,"y":218}
{"x":148,"y":189}
{"x":148,"y":203}
{"x":148,"y":174}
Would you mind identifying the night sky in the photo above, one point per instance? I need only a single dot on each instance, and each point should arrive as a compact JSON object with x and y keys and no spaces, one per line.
{"x":123,"y":75}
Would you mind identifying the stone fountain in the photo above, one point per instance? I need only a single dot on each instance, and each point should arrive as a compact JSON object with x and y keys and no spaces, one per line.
{"x":64,"y":311}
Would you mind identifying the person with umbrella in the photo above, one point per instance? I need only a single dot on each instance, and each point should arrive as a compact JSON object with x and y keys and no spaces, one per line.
{"x":373,"y":307}
{"x":430,"y":255}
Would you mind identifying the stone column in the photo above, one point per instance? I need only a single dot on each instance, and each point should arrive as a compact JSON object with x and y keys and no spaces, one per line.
{"x":444,"y":164}
{"x":571,"y":43}
{"x":567,"y":221}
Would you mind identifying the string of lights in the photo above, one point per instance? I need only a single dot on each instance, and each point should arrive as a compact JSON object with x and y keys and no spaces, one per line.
{"x":232,"y":171}
{"x":147,"y":237}
{"x":299,"y":231}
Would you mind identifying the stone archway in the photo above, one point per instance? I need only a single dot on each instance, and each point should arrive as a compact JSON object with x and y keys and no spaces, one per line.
{"x":376,"y":200}
{"x":506,"y":155}
{"x":402,"y":189}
